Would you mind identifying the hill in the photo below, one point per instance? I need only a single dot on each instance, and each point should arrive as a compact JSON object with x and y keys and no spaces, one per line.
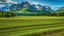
{"x":60,"y":12}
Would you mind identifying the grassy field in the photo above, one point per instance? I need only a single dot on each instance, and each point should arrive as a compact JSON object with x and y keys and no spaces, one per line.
{"x":31,"y":25}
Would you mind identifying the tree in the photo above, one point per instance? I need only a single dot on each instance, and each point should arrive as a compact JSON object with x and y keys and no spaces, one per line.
{"x":1,"y":13}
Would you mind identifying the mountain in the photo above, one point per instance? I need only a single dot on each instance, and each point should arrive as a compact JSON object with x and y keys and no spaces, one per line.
{"x":39,"y":7}
{"x":43,"y":8}
{"x":47,"y":8}
{"x":26,"y":10}
{"x":34,"y":5}
{"x":27,"y":5}
{"x":13,"y":7}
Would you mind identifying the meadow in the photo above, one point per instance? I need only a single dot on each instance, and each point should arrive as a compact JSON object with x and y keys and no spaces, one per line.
{"x":32,"y":26}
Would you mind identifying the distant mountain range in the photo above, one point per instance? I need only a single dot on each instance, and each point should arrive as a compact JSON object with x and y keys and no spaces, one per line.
{"x":27,"y":9}
{"x":27,"y":6}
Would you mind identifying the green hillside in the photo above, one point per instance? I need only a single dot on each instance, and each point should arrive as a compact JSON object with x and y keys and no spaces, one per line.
{"x":24,"y":10}
{"x":60,"y":12}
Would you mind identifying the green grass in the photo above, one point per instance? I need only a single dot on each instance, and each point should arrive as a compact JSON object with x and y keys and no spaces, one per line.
{"x":17,"y":26}
{"x":24,"y":21}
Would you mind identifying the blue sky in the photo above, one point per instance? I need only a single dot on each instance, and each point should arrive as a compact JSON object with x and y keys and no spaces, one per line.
{"x":55,"y":4}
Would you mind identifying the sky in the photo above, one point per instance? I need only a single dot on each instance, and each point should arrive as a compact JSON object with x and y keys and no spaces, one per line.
{"x":54,"y":4}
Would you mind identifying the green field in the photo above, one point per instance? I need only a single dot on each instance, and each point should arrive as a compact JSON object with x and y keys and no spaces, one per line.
{"x":31,"y":25}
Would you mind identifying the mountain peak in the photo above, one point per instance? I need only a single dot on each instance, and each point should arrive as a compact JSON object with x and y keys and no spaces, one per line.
{"x":39,"y":5}
{"x":26,"y":2}
{"x":22,"y":2}
{"x":33,"y":4}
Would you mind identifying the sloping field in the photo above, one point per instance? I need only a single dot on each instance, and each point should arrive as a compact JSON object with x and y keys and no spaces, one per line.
{"x":31,"y":26}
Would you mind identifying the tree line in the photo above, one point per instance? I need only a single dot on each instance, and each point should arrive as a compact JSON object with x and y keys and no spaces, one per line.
{"x":10,"y":14}
{"x":6,"y":14}
{"x":53,"y":14}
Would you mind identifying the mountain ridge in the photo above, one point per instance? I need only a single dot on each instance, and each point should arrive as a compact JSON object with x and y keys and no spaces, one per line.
{"x":27,"y":5}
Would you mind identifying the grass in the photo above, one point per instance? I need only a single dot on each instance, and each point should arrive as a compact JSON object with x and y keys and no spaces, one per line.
{"x":17,"y":26}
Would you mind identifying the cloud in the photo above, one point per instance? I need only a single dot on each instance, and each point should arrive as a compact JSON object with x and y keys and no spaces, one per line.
{"x":7,"y":2}
{"x":3,"y":0}
{"x":11,"y":2}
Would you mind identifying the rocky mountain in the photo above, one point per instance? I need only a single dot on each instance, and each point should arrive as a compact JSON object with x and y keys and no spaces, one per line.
{"x":13,"y":7}
{"x":39,"y":7}
{"x":30,"y":7}
{"x":27,"y":5}
{"x":47,"y":8}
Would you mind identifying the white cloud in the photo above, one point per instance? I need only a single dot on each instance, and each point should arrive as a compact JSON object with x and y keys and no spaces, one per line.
{"x":7,"y":2}
{"x":11,"y":2}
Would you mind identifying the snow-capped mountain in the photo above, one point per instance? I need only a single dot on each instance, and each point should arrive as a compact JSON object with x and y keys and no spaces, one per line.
{"x":39,"y":7}
{"x":47,"y":8}
{"x":27,"y":5}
